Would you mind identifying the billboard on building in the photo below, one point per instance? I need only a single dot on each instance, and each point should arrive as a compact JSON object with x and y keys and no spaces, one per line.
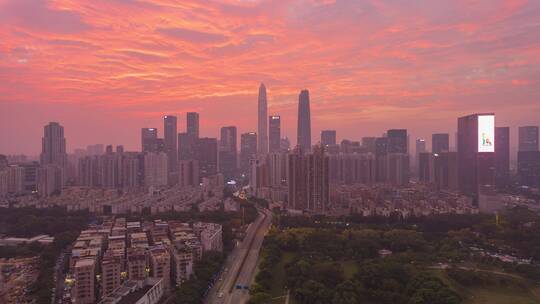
{"x":486,"y":133}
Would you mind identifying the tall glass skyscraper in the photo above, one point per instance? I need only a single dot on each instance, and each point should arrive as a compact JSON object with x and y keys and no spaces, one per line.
{"x":274,"y":133}
{"x":262,"y":124}
{"x":304,"y":121}
{"x":171,"y":141}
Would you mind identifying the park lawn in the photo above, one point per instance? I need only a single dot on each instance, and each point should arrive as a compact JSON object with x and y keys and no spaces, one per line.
{"x":500,"y":296}
{"x":494,"y":295}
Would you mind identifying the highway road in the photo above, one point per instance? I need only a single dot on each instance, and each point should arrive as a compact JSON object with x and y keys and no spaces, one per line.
{"x":241,"y":264}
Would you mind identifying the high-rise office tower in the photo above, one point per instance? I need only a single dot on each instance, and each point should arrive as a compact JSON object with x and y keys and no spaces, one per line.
{"x":3,"y":162}
{"x":248,"y":150}
{"x":274,"y":133}
{"x":528,"y":138}
{"x":262,"y":126}
{"x":397,"y":158}
{"x":397,"y":141}
{"x":186,"y":146}
{"x":328,"y":138}
{"x":476,"y":152}
{"x":170,"y":138}
{"x":149,"y":138}
{"x":529,"y":168}
{"x":304,"y":122}
{"x":228,"y":163}
{"x":420,"y":148}
{"x":54,"y":146}
{"x":528,"y":156}
{"x":192,"y":124}
{"x":425,"y":167}
{"x":502,"y":156}
{"x":381,"y":151}
{"x":369,"y":144}
{"x":285,"y":144}
{"x":440,"y":142}
{"x":207,"y":155}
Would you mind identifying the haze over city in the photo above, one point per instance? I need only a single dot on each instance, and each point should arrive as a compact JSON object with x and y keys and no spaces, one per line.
{"x":104,"y":69}
{"x":269,"y":151}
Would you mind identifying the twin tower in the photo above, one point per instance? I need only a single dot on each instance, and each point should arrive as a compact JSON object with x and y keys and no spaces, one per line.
{"x":304,"y":121}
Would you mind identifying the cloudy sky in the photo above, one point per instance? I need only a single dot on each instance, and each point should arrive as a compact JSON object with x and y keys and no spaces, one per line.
{"x":106,"y":68}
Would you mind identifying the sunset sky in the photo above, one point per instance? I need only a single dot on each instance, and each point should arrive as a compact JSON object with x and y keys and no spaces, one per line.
{"x":106,"y":68}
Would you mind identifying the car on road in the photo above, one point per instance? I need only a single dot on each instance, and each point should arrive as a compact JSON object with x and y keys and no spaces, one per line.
{"x":220,"y":295}
{"x":238,"y":286}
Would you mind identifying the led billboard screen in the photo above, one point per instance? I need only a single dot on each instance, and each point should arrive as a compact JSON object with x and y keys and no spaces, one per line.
{"x":486,"y":133}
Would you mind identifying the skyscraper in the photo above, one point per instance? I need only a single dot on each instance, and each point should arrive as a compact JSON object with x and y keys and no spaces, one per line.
{"x":170,"y":138}
{"x":53,"y":154}
{"x":369,"y":144}
{"x":263,"y":113}
{"x":228,"y":156}
{"x":502,"y":156}
{"x":440,"y":142}
{"x":528,"y":138}
{"x":192,"y":124}
{"x":54,"y":146}
{"x":420,"y":148}
{"x":309,"y":180}
{"x":476,"y":152}
{"x":149,"y":138}
{"x":304,"y":122}
{"x":207,"y":155}
{"x":274,"y":133}
{"x":328,"y":138}
{"x":248,"y":151}
{"x":186,"y":146}
{"x":381,"y":151}
{"x":397,"y":141}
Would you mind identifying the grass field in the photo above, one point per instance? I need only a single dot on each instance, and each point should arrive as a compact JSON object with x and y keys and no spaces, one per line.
{"x":493,"y":295}
{"x":500,"y":296}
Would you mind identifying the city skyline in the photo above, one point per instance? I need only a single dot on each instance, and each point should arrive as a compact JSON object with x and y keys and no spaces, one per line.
{"x":87,"y":71}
